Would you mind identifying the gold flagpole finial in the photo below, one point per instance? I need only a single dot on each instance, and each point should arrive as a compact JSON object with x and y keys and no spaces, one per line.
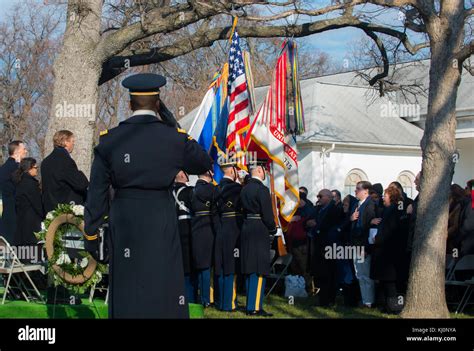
{"x":234,"y":24}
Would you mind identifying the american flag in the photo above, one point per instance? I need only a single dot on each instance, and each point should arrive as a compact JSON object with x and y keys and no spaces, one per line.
{"x":239,"y":121}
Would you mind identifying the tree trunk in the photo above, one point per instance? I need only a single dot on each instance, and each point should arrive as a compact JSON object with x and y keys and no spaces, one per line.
{"x":426,"y":289}
{"x":77,"y":70}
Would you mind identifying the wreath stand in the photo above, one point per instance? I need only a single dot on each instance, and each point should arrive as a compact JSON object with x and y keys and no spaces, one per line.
{"x":49,"y":246}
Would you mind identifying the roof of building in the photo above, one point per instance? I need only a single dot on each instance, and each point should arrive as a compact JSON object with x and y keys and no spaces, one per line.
{"x":343,"y":108}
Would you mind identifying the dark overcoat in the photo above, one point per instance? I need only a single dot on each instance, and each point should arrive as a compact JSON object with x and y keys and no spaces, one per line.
{"x":205,"y":223}
{"x":7,"y":193}
{"x":29,"y":209}
{"x":62,"y":181}
{"x":387,"y":252}
{"x":140,"y":159}
{"x":255,"y":235}
{"x":227,"y":245}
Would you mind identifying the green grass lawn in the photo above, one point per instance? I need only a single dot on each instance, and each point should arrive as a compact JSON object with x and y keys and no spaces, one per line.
{"x":307,"y":308}
{"x":300,"y":308}
{"x":278,"y":305}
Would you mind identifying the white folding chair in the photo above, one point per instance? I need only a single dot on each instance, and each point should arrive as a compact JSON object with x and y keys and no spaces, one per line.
{"x":11,"y":266}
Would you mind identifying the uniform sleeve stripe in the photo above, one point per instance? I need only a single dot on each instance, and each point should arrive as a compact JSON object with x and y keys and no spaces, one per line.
{"x":90,"y":237}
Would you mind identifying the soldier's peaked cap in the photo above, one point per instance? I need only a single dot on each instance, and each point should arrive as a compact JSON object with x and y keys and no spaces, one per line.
{"x":228,"y":164}
{"x":144,"y":83}
{"x":258,"y":162}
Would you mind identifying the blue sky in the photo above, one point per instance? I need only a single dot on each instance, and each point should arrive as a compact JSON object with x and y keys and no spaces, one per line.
{"x":5,"y":6}
{"x":334,"y":42}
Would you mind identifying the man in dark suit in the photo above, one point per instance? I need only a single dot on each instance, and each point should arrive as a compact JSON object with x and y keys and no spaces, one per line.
{"x":62,"y":181}
{"x":362,"y":219}
{"x":323,"y":235}
{"x":140,"y":159}
{"x":16,"y":152}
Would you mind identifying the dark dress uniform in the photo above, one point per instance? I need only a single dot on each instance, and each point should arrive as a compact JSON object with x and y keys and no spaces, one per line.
{"x":7,"y":192}
{"x":205,"y":224}
{"x":62,"y":181}
{"x":227,"y":242}
{"x":258,"y":225}
{"x":183,"y":197}
{"x":140,"y":159}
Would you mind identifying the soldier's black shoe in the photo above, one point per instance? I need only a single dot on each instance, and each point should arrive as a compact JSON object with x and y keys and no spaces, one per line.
{"x":251,"y":313}
{"x":263,"y":313}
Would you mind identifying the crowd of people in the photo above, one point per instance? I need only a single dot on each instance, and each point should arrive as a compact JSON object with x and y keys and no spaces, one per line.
{"x":381,"y":222}
{"x":172,"y":243}
{"x":213,"y":236}
{"x":25,"y":201}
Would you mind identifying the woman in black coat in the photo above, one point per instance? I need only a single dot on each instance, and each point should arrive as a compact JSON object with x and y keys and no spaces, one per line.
{"x":29,"y":207}
{"x":388,"y":249}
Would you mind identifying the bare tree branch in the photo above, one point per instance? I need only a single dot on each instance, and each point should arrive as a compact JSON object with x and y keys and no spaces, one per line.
{"x":465,"y":52}
{"x":115,"y":65}
{"x":469,"y":12}
{"x":383,"y":52}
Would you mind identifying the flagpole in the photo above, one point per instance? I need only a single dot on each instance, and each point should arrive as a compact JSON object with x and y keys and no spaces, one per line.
{"x":281,"y":246}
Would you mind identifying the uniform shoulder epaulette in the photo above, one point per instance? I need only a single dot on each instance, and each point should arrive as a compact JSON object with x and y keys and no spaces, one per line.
{"x":103,"y":132}
{"x":180,"y":130}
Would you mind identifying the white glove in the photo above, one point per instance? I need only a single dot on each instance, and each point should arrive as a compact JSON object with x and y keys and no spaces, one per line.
{"x":279,"y":232}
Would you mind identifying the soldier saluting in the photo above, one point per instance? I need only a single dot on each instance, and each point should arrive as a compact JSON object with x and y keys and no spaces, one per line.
{"x":258,"y":225}
{"x":140,"y":159}
{"x":227,"y":239}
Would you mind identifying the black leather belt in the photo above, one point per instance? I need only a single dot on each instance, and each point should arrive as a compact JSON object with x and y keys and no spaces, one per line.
{"x":202,"y":213}
{"x":253,"y":216}
{"x":230,"y":214}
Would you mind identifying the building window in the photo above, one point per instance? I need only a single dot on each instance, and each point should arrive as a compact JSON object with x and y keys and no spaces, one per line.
{"x":353,"y":177}
{"x":407,"y":180}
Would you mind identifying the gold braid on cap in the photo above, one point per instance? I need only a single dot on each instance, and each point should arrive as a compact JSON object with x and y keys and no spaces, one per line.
{"x":145,"y":93}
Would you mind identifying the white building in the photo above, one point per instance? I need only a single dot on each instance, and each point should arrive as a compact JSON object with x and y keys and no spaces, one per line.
{"x":352,"y":134}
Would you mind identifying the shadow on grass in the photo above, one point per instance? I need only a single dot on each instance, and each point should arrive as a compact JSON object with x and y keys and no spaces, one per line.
{"x":302,"y":308}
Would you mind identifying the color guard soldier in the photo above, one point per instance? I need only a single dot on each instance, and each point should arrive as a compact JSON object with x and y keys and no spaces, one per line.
{"x":205,"y":223}
{"x":258,"y":225}
{"x":140,"y":159}
{"x":227,"y":240}
{"x":183,"y":196}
